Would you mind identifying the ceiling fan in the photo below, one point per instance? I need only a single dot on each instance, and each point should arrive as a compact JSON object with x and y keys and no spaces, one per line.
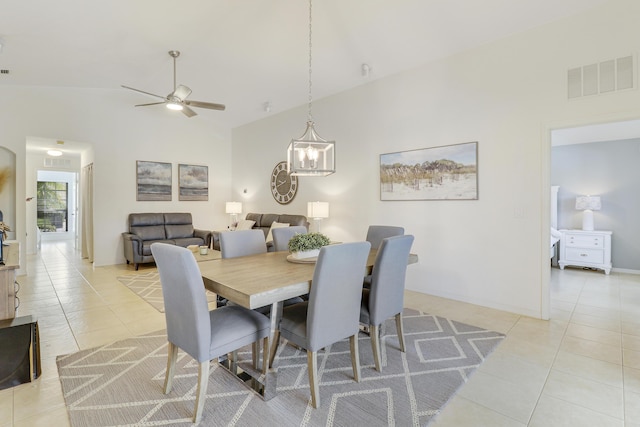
{"x":177,"y":100}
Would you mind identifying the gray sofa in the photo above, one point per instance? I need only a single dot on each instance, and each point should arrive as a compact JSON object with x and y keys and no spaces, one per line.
{"x":263,"y":222}
{"x":147,"y":228}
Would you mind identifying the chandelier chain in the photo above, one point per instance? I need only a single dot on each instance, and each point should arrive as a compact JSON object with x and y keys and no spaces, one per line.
{"x":310,"y":117}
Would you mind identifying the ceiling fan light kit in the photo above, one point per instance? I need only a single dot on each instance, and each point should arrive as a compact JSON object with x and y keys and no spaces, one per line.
{"x":311,"y":155}
{"x":177,"y":100}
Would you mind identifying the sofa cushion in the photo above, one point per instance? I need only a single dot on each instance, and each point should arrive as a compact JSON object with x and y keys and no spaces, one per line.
{"x":178,"y":231}
{"x":245,"y":224}
{"x":177,"y":218}
{"x":294,"y":220}
{"x":146,"y":245}
{"x":255,"y":217}
{"x":144,"y":219}
{"x":274,"y":224}
{"x":149,"y":232}
{"x":184,"y":242}
{"x":267,"y":219}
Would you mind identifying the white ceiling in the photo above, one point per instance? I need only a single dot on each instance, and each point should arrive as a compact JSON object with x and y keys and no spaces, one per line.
{"x":243,"y":53}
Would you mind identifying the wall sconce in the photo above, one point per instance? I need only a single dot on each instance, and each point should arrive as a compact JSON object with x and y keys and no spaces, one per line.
{"x":318,"y":211}
{"x":588,"y":204}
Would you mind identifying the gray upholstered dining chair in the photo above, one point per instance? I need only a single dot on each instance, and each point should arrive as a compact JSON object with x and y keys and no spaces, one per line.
{"x":242,"y":243}
{"x":201,"y":333}
{"x":235,"y":244}
{"x":385,"y":298}
{"x":281,"y":236}
{"x":375,"y":234}
{"x":331,"y":314}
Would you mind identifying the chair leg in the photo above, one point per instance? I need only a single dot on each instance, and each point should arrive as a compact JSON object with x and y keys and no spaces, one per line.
{"x":274,"y":347}
{"x":400,"y":330}
{"x":374,"y":334}
{"x":312,"y":365}
{"x":265,"y":355}
{"x":201,"y":393}
{"x":172,"y":355}
{"x":233,"y":358}
{"x":255,"y":348}
{"x":355,"y":356}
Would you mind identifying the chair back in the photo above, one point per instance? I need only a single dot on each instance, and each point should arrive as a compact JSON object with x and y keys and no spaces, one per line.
{"x":386,"y":298}
{"x":185,"y":303}
{"x":281,"y":236}
{"x":336,"y":293}
{"x":376,"y":233}
{"x":242,"y":243}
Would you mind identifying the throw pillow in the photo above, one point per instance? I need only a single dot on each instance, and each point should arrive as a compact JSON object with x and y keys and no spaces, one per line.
{"x":245,"y":224}
{"x":274,"y":225}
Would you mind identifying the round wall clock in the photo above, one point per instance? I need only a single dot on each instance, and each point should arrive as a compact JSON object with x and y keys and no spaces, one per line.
{"x":283,"y":186}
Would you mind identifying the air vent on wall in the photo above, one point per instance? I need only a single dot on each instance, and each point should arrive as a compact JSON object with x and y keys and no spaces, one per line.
{"x":602,"y":77}
{"x":56,"y":163}
{"x":4,"y":71}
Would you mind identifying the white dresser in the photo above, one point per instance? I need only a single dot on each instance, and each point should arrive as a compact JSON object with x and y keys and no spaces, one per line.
{"x":586,"y":249}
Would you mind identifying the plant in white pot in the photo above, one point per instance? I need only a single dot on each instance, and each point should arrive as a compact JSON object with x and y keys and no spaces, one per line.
{"x":307,"y":245}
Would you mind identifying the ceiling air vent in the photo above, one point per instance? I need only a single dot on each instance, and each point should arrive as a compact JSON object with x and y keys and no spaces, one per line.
{"x":50,"y":162}
{"x":4,"y":71}
{"x":602,"y":77}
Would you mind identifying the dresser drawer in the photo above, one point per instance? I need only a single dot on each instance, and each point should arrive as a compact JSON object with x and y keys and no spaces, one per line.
{"x":594,"y":256}
{"x":588,"y":241}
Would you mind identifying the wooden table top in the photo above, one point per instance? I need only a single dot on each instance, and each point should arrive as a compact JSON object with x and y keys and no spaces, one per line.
{"x":258,"y":280}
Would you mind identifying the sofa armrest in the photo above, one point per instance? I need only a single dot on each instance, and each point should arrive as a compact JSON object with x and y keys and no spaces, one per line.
{"x":204,"y":235}
{"x":215,"y":240}
{"x":132,"y":246}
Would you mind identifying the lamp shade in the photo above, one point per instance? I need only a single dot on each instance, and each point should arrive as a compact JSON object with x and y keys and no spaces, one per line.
{"x":588,"y":202}
{"x":318,"y":210}
{"x":233,"y":207}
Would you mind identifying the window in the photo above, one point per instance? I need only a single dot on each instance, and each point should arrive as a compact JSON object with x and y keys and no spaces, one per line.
{"x":52,"y":206}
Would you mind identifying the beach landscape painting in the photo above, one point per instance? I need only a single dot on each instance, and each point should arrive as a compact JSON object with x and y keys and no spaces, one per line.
{"x":153,"y":180}
{"x":439,"y":173}
{"x":194,"y":182}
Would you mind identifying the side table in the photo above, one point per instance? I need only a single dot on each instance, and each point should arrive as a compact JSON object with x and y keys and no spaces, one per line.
{"x":586,"y":249}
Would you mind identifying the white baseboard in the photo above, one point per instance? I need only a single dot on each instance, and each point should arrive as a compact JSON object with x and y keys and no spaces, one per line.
{"x":625,"y":270}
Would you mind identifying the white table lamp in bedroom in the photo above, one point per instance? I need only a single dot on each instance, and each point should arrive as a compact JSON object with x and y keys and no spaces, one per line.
{"x":588,"y":204}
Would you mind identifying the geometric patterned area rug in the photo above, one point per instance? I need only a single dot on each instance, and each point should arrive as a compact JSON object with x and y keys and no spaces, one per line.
{"x":121,"y":383}
{"x":147,"y":286}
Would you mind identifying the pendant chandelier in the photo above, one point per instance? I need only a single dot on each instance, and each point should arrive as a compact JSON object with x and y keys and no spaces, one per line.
{"x":310,"y":154}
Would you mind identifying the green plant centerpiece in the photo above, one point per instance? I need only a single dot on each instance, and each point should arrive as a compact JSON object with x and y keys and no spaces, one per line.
{"x":307,"y":245}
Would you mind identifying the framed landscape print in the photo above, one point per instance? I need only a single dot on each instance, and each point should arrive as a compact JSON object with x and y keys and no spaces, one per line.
{"x":194,"y":182}
{"x":449,"y":172}
{"x":153,"y":180}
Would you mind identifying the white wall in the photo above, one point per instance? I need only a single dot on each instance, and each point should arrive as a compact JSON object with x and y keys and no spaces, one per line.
{"x":120,"y":134}
{"x":506,"y":95}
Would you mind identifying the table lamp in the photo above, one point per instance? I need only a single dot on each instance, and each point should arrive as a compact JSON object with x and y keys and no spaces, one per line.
{"x":233,"y":209}
{"x":588,"y":204}
{"x":318,"y":211}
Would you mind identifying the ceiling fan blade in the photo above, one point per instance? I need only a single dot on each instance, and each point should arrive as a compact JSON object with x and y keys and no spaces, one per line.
{"x":209,"y":105}
{"x":188,"y":111}
{"x":146,"y":105}
{"x":141,"y":91}
{"x":181,"y":92}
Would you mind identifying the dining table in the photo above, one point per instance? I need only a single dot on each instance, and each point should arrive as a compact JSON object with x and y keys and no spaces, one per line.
{"x":269,"y":278}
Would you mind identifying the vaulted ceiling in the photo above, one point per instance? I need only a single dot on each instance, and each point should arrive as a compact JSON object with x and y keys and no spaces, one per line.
{"x":244,"y":53}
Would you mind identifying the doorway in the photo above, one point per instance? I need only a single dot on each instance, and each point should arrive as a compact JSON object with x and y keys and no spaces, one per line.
{"x":618,"y":129}
{"x":57,"y":205}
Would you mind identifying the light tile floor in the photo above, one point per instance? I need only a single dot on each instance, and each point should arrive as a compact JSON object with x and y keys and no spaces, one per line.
{"x":582,"y":368}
